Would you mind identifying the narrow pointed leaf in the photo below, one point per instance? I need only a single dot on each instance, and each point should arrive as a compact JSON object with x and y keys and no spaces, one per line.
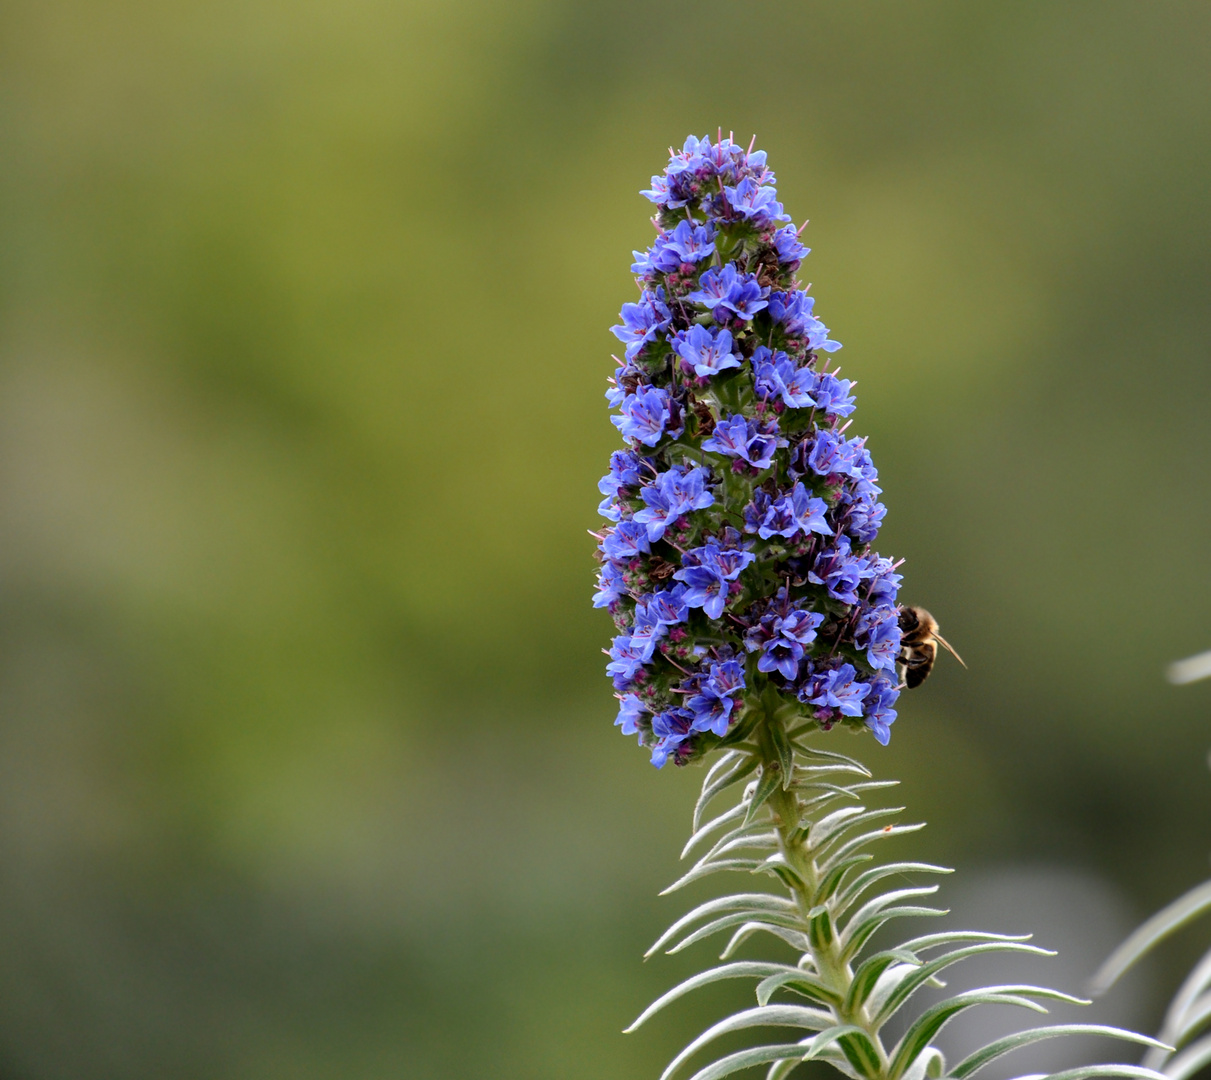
{"x":748,"y":903}
{"x":744,"y":969}
{"x":1161,"y":925}
{"x":746,"y":1059}
{"x":986,"y":1054}
{"x":706,"y":869}
{"x":801,"y":982}
{"x":1185,"y":1064}
{"x":797,"y":1016}
{"x":915,"y":979}
{"x":926,"y":1027}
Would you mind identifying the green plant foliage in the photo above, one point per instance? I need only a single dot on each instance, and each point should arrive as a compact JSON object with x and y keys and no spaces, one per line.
{"x":807,"y":830}
{"x":1185,"y":1028}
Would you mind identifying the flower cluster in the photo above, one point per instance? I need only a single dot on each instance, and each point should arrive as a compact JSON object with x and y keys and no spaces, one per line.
{"x":737,"y":565}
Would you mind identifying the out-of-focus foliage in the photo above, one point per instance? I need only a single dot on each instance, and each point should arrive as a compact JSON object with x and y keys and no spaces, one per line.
{"x":306,"y":766}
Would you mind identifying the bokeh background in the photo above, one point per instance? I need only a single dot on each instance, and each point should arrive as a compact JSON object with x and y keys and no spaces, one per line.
{"x":306,"y":758}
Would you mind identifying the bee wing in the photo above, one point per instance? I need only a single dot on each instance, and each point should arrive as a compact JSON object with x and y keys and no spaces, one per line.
{"x":947,"y":646}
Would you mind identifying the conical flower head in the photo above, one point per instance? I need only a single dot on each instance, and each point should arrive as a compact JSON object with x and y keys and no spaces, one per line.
{"x":737,"y":564}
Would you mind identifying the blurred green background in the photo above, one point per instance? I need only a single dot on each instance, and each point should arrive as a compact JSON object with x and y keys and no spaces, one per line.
{"x":306,"y":765}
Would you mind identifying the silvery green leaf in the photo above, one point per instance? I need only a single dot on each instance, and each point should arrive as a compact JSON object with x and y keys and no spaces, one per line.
{"x":917,"y":977}
{"x":954,"y":937}
{"x":703,"y":869}
{"x":1186,"y":1063}
{"x":859,"y":842}
{"x":733,"y":767}
{"x":1194,"y":1018}
{"x":1182,"y":911}
{"x":798,"y":1016}
{"x":734,"y":814}
{"x":779,"y":1070}
{"x":744,"y":969}
{"x":785,"y":752}
{"x":846,"y":897}
{"x":828,"y":830}
{"x":861,"y":1051}
{"x":754,"y":835}
{"x":769,"y":782}
{"x":1177,"y":1026}
{"x":878,"y":903}
{"x":858,"y":934}
{"x":749,"y":903}
{"x":794,"y":938}
{"x":831,"y":881}
{"x":1133,"y":1072}
{"x":761,"y":920}
{"x":926,"y":1027}
{"x":746,"y":1059}
{"x":798,"y":981}
{"x":987,"y":1054}
{"x":868,"y":974}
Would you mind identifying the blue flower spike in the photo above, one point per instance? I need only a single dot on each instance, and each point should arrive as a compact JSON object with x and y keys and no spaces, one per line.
{"x":737,"y":561}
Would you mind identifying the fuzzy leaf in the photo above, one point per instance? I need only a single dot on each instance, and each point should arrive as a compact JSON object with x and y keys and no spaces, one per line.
{"x":763,"y":1016}
{"x":859,"y":842}
{"x":734,"y":814}
{"x":987,"y":1054}
{"x":801,"y":982}
{"x":932,"y":1020}
{"x":829,"y":830}
{"x":746,"y":1059}
{"x":1185,"y":1064}
{"x":766,"y":786}
{"x":747,"y":903}
{"x":915,"y":979}
{"x":704,"y":869}
{"x":865,"y":880}
{"x":1161,"y":925}
{"x":733,"y":767}
{"x":741,"y":970}
{"x":797,"y":940}
{"x":766,"y":919}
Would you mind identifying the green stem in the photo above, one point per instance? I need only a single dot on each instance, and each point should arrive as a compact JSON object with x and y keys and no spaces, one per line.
{"x":830,"y":965}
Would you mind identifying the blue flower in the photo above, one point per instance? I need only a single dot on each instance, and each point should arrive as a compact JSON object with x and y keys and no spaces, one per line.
{"x":755,"y":203}
{"x":671,"y":729}
{"x":793,"y":312}
{"x":642,"y":322}
{"x":625,"y":541}
{"x":779,"y":376}
{"x":788,"y":248}
{"x":673,"y":494}
{"x":707,"y":353}
{"x":790,"y":515}
{"x":878,"y":634}
{"x":782,"y":638}
{"x":727,"y":292}
{"x":610,"y":587}
{"x":838,"y":689}
{"x":884,"y":583}
{"x":707,"y":571}
{"x":732,"y":420}
{"x":627,"y":658}
{"x":880,"y":708}
{"x":839,"y":572}
{"x":630,"y":709}
{"x":648,"y":415}
{"x":745,"y":440}
{"x":717,"y":697}
{"x":691,"y":243}
{"x":833,"y":396}
{"x":668,"y":607}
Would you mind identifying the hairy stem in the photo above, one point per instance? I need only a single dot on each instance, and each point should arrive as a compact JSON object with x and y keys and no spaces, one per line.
{"x":825,"y":949}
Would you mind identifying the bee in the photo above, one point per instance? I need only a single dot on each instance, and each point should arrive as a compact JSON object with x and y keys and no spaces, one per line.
{"x":919,"y":641}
